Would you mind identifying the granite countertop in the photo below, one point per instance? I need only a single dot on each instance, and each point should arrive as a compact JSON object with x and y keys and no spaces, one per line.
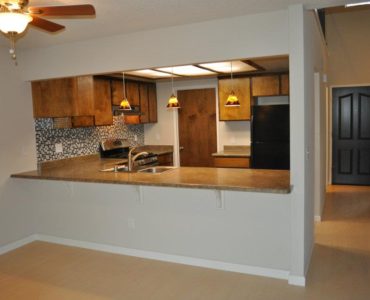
{"x":234,"y":151}
{"x":86,"y":169}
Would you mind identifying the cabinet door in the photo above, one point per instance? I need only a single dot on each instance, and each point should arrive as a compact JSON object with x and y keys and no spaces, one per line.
{"x":144,"y":102}
{"x":53,"y":98}
{"x":284,"y":83}
{"x":241,"y":87}
{"x":117,"y":91}
{"x":102,"y":102}
{"x":152,"y":100}
{"x":83,"y":104}
{"x":132,"y":92}
{"x":265,"y":85}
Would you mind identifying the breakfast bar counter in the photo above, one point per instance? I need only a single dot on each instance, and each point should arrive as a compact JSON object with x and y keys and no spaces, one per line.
{"x":87,"y":169}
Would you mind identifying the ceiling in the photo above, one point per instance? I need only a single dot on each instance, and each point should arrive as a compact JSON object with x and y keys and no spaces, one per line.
{"x":126,"y":16}
{"x":271,"y":64}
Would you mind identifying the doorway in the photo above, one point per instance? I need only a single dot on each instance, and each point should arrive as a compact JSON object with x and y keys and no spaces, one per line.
{"x":197,"y":127}
{"x":351,"y":136}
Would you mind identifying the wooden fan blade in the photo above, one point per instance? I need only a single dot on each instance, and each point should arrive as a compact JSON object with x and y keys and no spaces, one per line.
{"x":46,"y":25}
{"x":68,"y":10}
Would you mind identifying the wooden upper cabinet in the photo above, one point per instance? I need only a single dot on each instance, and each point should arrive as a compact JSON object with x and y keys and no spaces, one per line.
{"x":132,"y":92}
{"x":144,"y":102}
{"x":102,"y":102}
{"x":84,"y":99}
{"x":241,"y":88}
{"x":147,"y":94}
{"x":53,"y":98}
{"x":117,"y":91}
{"x":83,"y":104}
{"x":284,"y":84}
{"x":266,"y":85}
{"x":152,"y":101}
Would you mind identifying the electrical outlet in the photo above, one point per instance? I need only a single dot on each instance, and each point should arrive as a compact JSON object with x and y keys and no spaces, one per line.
{"x":131,"y":223}
{"x":135,"y":137}
{"x":59,"y":148}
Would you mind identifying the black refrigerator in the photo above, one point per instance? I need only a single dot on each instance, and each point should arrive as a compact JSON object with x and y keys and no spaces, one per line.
{"x":270,"y":137}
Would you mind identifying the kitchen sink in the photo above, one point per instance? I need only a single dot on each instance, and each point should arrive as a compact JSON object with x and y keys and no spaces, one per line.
{"x":156,"y":170}
{"x":116,"y":168}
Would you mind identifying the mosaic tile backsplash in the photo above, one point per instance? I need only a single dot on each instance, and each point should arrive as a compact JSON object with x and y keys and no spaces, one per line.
{"x":81,"y":141}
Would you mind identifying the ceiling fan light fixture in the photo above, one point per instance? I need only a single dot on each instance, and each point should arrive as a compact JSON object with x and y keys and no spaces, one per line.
{"x":14,"y":22}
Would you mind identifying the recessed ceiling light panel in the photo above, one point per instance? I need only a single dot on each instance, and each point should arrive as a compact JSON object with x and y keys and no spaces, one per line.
{"x":149,"y":74}
{"x":188,"y":70}
{"x":224,"y":67}
{"x":358,"y":4}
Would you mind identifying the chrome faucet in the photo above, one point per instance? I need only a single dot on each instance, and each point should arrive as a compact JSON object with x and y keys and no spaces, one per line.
{"x":131,"y":158}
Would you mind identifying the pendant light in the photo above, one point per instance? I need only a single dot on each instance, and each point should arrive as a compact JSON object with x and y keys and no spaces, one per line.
{"x":125,"y":105}
{"x":232,"y":100}
{"x":173,"y":102}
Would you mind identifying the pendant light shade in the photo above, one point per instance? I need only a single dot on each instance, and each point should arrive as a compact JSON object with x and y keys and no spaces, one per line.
{"x":173,"y":102}
{"x":125,"y":105}
{"x":232,"y":99}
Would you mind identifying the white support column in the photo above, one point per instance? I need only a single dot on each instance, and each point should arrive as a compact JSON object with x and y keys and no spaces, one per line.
{"x":297,"y":142}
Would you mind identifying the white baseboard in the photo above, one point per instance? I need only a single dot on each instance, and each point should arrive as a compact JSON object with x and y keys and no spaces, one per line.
{"x":317,"y":218}
{"x":17,"y":244}
{"x":297,"y":280}
{"x":198,"y":262}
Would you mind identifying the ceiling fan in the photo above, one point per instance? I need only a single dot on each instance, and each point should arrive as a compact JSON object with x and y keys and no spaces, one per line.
{"x":16,"y":15}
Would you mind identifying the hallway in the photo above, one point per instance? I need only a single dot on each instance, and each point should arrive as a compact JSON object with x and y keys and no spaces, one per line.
{"x":340,"y":267}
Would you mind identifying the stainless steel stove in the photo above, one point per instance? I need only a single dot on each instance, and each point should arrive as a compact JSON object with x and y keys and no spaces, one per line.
{"x":119,"y":148}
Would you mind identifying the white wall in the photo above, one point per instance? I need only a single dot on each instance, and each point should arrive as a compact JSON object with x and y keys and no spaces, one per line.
{"x":348,"y":48}
{"x":306,"y":58}
{"x":229,"y":133}
{"x":252,"y":230}
{"x":250,"y":36}
{"x":17,"y":151}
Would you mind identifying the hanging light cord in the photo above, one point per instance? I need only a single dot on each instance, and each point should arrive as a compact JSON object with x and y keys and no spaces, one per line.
{"x":123,"y":86}
{"x":232,"y":78}
{"x":173,"y":90}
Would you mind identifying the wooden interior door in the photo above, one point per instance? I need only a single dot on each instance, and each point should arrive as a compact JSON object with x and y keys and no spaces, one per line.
{"x":351,"y":136}
{"x":197,"y":127}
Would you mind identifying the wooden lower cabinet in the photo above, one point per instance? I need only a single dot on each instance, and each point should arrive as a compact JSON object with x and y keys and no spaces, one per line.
{"x":231,"y":162}
{"x":165,"y":159}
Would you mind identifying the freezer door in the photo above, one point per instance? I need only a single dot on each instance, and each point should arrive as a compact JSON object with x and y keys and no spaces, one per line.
{"x":270,"y":123}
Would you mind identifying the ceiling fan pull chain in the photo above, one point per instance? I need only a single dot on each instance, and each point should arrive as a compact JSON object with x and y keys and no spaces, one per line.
{"x":12,"y":53}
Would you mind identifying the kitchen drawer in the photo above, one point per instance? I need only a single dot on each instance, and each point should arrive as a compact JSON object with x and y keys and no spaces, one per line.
{"x":231,"y":162}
